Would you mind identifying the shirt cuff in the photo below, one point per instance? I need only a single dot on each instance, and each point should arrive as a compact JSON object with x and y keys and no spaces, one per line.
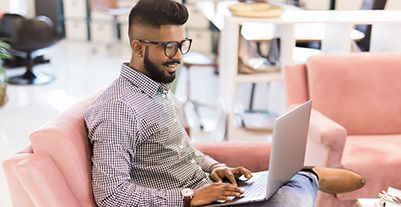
{"x":214,"y":166}
{"x":206,"y":163}
{"x":173,"y":197}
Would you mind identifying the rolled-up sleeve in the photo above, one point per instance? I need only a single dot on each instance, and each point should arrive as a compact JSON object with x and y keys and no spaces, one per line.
{"x":205,"y":161}
{"x":113,"y":136}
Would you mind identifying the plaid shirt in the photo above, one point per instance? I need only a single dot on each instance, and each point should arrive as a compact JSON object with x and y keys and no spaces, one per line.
{"x":142,"y":155}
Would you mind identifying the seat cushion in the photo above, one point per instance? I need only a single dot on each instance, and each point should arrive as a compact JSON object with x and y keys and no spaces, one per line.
{"x":377,"y":159}
{"x":359,"y":91}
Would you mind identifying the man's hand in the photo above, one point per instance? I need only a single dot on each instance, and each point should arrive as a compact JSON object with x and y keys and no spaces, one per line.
{"x":214,"y":192}
{"x":230,"y":173}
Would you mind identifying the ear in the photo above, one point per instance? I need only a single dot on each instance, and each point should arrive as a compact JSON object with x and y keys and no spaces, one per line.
{"x":137,"y":48}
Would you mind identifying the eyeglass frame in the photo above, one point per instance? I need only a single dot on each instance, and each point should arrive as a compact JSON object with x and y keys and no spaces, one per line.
{"x":164,"y":45}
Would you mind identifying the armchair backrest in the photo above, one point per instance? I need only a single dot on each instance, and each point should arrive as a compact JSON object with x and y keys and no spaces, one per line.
{"x":65,"y":140}
{"x":360,"y":91}
{"x":34,"y":34}
{"x":7,"y":25}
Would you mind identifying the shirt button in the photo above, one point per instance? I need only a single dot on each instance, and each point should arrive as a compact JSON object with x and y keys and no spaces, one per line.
{"x":193,"y":161}
{"x":181,"y":147}
{"x":164,"y":96}
{"x":175,"y":120}
{"x":204,"y":179}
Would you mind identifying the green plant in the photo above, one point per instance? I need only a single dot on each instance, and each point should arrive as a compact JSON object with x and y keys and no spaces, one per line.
{"x":3,"y":50}
{"x":3,"y":55}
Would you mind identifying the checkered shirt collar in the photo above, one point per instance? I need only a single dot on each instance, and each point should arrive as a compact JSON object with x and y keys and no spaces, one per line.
{"x":143,"y":82}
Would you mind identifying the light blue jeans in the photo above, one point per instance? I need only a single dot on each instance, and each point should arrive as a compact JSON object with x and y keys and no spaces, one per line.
{"x":300,"y":191}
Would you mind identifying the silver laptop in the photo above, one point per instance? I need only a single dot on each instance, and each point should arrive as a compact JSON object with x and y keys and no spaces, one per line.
{"x":286,"y":157}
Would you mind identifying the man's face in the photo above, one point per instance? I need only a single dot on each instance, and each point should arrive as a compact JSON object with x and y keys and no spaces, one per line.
{"x":157,"y":65}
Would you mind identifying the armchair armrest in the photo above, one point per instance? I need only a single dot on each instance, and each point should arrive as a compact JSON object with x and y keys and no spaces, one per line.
{"x":326,"y":140}
{"x":44,"y":183}
{"x":18,"y":195}
{"x":251,"y":155}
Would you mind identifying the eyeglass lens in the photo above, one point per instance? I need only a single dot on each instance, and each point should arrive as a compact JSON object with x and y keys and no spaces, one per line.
{"x":171,"y":48}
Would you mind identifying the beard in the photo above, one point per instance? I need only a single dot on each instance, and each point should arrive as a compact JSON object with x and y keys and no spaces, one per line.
{"x":155,"y":73}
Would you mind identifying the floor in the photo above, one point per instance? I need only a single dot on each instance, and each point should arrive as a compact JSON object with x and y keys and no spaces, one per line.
{"x":83,"y":68}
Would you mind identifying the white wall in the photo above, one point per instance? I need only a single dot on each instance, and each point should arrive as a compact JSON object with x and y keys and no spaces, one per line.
{"x":317,"y":4}
{"x":393,"y":5}
{"x":24,"y":7}
{"x":4,"y":6}
{"x":349,"y":4}
{"x":340,"y":4}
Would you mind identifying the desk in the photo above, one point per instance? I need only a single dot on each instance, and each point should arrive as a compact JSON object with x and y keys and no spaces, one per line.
{"x":336,"y":39}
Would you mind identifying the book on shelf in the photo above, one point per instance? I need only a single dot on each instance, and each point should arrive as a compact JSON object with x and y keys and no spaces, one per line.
{"x":389,"y":198}
{"x":392,"y":197}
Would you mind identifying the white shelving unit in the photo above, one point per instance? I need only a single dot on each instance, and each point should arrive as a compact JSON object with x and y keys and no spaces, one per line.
{"x":337,"y":39}
{"x":75,"y":15}
{"x":102,"y":25}
{"x":197,"y":28}
{"x":123,"y":20}
{"x":22,"y":7}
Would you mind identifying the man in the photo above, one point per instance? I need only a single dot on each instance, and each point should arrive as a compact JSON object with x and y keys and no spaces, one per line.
{"x":141,"y":153}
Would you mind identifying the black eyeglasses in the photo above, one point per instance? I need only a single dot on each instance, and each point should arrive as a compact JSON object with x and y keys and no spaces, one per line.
{"x":171,"y":48}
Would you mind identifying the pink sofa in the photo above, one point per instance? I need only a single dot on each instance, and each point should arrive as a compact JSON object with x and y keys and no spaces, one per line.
{"x":356,"y":121}
{"x":55,"y":169}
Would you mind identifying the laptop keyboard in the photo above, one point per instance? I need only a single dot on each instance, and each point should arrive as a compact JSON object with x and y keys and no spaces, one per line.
{"x":254,"y":187}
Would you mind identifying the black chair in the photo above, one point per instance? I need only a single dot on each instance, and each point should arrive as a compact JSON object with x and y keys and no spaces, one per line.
{"x":26,"y":37}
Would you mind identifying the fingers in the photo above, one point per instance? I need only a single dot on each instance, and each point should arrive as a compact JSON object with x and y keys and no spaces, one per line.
{"x":243,"y":171}
{"x":227,"y":187}
{"x":223,"y":197}
{"x":230,"y":176}
{"x":215,"y":177}
{"x":231,"y":193}
{"x":223,"y":191}
{"x":232,"y":188}
{"x":218,"y":175}
{"x":215,"y":191}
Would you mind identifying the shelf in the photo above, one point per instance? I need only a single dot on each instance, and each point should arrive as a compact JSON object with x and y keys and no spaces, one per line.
{"x":240,"y":133}
{"x":259,"y":77}
{"x":300,"y":55}
{"x":333,"y":17}
{"x":303,"y":32}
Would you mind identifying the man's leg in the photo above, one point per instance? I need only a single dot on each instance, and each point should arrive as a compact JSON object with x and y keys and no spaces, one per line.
{"x":300,"y":191}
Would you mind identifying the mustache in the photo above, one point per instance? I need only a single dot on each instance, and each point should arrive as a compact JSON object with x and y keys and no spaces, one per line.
{"x":172,"y":62}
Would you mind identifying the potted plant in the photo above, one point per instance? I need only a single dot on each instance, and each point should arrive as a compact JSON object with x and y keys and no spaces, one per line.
{"x":3,"y":86}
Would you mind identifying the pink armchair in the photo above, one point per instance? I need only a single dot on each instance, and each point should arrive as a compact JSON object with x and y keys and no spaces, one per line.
{"x":356,"y":121}
{"x":55,"y":169}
